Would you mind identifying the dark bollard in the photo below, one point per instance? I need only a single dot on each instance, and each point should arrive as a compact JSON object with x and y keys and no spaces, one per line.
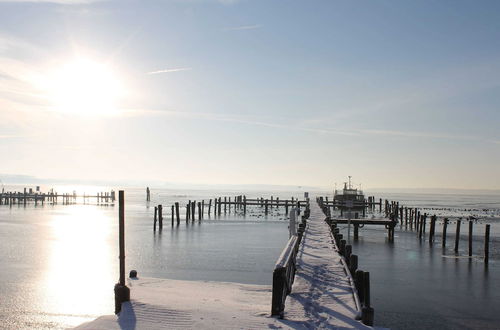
{"x":358,"y":283}
{"x":122,"y":294}
{"x":342,"y":247}
{"x":133,"y":273}
{"x":347,"y":255}
{"x":367,"y":312}
{"x":353,"y":264}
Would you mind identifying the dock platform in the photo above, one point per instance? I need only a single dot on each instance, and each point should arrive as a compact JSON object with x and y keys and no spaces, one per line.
{"x":322,"y":296}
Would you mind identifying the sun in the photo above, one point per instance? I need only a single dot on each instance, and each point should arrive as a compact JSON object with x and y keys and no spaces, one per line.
{"x":84,"y":87}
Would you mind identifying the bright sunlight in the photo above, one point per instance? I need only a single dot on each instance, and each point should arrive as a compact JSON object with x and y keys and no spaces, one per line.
{"x":84,"y":87}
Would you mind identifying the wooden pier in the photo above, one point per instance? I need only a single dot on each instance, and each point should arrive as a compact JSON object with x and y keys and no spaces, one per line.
{"x":30,"y":197}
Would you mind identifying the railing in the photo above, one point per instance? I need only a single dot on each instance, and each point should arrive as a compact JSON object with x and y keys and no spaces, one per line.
{"x":284,"y":271}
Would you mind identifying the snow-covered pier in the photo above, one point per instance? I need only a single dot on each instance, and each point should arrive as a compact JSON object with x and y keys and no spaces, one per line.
{"x":323,"y":295}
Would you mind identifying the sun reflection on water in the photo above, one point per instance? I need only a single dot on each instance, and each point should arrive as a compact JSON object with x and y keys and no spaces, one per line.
{"x":79,"y":266}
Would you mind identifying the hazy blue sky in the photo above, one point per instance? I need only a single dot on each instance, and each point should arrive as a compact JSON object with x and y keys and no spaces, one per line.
{"x":395,"y":93}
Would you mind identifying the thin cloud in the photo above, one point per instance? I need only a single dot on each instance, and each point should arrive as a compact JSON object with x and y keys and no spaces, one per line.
{"x":170,"y":70}
{"x":243,"y":27}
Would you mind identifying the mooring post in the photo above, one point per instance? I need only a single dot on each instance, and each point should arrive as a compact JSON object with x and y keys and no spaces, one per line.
{"x":188,"y":212}
{"x":209,"y":206}
{"x":177,"y":215}
{"x":220,"y":206}
{"x":122,"y":292}
{"x":457,"y":236}
{"x":445,"y":226}
{"x":470,"y":238}
{"x":172,"y":214}
{"x":353,"y":264}
{"x":367,"y":312}
{"x":154,"y":224}
{"x":266,"y":206}
{"x":487,"y":244}
{"x":432,"y":229}
{"x":160,"y":217}
{"x":199,"y":211}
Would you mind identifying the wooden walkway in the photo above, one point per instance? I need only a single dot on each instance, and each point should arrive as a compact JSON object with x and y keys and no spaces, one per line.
{"x":322,"y":295}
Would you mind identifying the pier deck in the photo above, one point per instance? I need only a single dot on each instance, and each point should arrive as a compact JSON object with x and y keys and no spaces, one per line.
{"x":322,"y":296}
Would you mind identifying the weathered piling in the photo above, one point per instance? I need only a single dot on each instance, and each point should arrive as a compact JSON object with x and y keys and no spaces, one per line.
{"x":457,"y":236}
{"x":199,"y":211}
{"x":209,"y":206}
{"x":487,"y":244}
{"x":445,"y":226}
{"x":470,"y":238}
{"x":367,"y":311}
{"x":154,"y":223}
{"x":122,"y":292}
{"x":188,"y":212}
{"x":177,"y":215}
{"x":160,"y":217}
{"x":432,"y":229}
{"x":172,"y":214}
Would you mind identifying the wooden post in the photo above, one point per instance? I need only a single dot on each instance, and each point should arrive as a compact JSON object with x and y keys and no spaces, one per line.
{"x":154,"y":224}
{"x":432,"y":229}
{"x":244,"y":205}
{"x":470,"y":238}
{"x":199,"y":211}
{"x":266,"y":206}
{"x":193,"y":211}
{"x":487,"y":244}
{"x":219,"y":206}
{"x":160,"y":216}
{"x":445,"y":226}
{"x":172,"y":211}
{"x":202,"y":208}
{"x":353,"y":264}
{"x":286,"y":207}
{"x":188,"y":212}
{"x":424,"y":221}
{"x":177,"y":215}
{"x":356,"y":231}
{"x":215,"y":206}
{"x":457,"y":236}
{"x":122,"y":293}
{"x":367,"y":311}
{"x":225,"y":204}
{"x":209,"y":206}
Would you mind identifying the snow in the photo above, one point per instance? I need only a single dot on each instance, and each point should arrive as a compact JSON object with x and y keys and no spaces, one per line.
{"x":322,"y":297}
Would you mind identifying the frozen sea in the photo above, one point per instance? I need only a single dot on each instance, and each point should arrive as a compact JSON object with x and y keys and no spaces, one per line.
{"x":59,"y":262}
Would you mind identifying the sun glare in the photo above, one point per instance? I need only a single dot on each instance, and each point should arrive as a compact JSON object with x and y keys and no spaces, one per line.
{"x":84,"y":87}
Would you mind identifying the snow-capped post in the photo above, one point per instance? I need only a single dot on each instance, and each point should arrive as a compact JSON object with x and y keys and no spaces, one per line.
{"x":122,"y":292}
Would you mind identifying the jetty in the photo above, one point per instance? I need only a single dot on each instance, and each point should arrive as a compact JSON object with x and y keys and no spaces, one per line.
{"x":29,"y":196}
{"x":312,"y":288}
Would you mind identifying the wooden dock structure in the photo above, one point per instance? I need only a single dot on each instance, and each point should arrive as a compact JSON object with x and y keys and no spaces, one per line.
{"x":33,"y":197}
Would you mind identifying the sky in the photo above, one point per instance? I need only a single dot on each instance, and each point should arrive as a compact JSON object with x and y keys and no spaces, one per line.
{"x":394,"y":93}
